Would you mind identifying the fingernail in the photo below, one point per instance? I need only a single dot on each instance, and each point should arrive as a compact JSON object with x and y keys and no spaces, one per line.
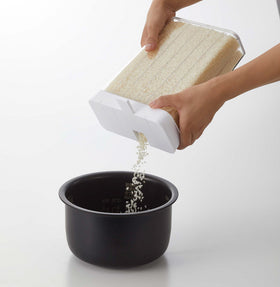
{"x":149,"y":47}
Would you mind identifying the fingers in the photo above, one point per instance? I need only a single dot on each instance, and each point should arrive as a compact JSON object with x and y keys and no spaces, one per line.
{"x":149,"y":38}
{"x":157,"y":18}
{"x":165,"y":101}
{"x":151,"y":33}
{"x":188,"y":137}
{"x":144,"y":36}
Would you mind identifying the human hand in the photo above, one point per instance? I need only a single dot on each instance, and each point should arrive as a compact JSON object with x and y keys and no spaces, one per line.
{"x":196,"y":107}
{"x":160,"y":12}
{"x":198,"y":104}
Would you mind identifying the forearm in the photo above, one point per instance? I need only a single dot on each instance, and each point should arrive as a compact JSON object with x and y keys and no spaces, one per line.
{"x":263,"y":70}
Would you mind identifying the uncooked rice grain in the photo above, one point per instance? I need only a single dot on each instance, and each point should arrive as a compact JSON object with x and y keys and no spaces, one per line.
{"x":135,"y":187}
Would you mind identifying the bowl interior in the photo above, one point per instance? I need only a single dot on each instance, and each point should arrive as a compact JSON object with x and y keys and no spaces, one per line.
{"x":107,"y":192}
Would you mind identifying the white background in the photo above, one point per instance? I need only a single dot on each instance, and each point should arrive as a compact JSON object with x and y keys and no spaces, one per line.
{"x":54,"y":55}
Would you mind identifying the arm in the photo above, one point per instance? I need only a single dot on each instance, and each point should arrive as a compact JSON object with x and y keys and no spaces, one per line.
{"x":263,"y":70}
{"x":160,"y":12}
{"x":198,"y":104}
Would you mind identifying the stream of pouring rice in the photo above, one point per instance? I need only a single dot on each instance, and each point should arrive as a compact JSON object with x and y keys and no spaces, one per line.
{"x":135,"y":187}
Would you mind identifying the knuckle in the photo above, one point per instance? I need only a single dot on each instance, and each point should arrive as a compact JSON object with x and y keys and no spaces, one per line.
{"x":151,"y":39}
{"x":152,"y":33}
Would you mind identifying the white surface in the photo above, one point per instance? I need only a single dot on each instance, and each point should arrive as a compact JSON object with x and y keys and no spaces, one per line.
{"x":226,"y":229}
{"x":127,"y":118}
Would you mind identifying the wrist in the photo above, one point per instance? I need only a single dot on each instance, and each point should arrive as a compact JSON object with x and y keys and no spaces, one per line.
{"x":176,"y":5}
{"x":166,"y":5}
{"x":223,"y":87}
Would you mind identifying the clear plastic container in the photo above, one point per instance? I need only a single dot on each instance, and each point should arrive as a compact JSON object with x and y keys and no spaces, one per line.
{"x":218,"y":29}
{"x":123,"y":106}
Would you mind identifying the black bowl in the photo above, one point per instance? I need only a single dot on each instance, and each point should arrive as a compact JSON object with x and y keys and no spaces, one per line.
{"x":100,"y":232}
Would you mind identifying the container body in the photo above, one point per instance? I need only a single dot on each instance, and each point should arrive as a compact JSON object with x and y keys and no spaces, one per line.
{"x":189,"y":53}
{"x":99,"y":232}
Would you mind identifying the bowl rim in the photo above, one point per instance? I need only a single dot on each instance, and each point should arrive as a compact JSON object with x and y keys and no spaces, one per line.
{"x":67,"y":184}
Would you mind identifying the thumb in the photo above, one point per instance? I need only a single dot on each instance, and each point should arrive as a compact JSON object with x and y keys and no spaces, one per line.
{"x":164,"y":101}
{"x":159,"y":14}
{"x":151,"y":43}
{"x":152,"y":37}
{"x":155,"y":23}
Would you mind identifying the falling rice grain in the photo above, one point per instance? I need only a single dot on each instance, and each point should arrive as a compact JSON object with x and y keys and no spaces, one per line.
{"x":135,"y":187}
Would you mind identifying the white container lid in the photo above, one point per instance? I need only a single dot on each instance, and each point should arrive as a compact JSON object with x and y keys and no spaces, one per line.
{"x":127,"y":118}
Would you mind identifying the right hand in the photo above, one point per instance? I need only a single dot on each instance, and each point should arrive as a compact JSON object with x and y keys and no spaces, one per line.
{"x":196,"y":107}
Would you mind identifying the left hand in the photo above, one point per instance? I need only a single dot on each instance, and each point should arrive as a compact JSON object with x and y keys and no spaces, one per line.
{"x":158,"y":16}
{"x":196,"y":107}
